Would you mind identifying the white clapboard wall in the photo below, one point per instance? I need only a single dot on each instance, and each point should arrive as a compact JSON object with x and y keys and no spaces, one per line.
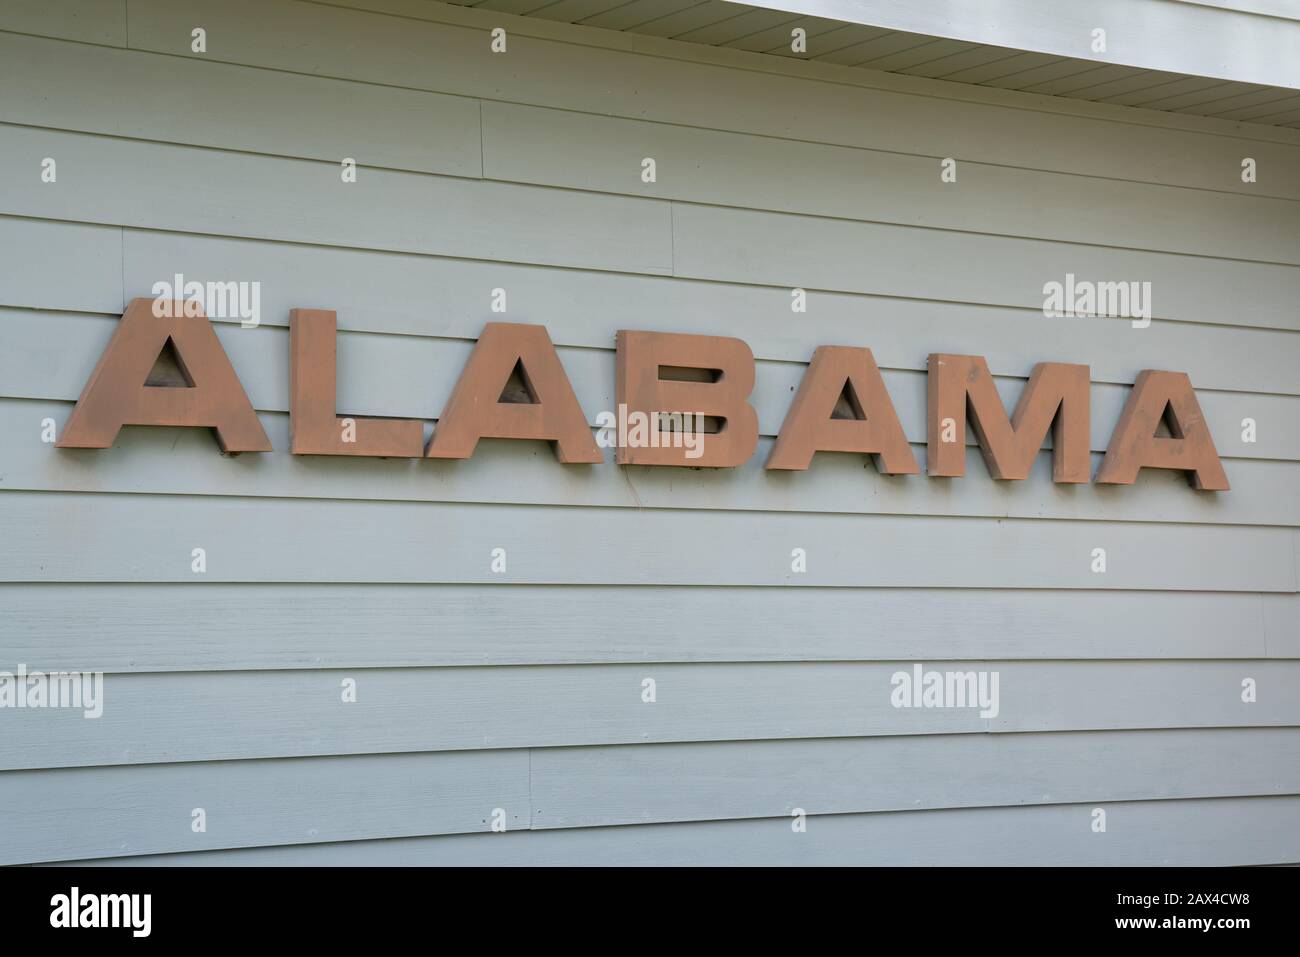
{"x":516,"y":696}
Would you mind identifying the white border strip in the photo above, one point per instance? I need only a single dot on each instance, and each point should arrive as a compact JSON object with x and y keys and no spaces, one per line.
{"x":1169,"y":35}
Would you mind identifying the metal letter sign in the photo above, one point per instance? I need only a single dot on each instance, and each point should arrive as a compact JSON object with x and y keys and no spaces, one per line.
{"x":665,"y":381}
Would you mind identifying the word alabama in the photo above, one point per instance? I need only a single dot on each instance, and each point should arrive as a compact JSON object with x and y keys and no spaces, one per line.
{"x":841,"y":405}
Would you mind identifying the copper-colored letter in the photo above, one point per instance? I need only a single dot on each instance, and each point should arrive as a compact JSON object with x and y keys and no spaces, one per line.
{"x":475,"y":411}
{"x":314,"y":427}
{"x":874,"y":428}
{"x":116,"y":394}
{"x":1056,"y":397}
{"x":1167,"y":397}
{"x":641,"y":391}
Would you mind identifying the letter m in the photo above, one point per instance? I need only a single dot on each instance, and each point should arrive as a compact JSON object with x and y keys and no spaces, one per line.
{"x":1056,"y":398}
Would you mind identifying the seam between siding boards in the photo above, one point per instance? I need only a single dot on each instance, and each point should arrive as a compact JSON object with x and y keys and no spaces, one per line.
{"x":662,"y":824}
{"x":684,"y":510}
{"x":658,"y":200}
{"x":628,"y":118}
{"x":602,"y":271}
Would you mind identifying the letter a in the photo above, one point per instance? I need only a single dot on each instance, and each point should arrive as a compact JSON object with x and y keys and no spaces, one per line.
{"x":1166,"y":396}
{"x":810,"y":425}
{"x":475,"y":409}
{"x":116,"y":394}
